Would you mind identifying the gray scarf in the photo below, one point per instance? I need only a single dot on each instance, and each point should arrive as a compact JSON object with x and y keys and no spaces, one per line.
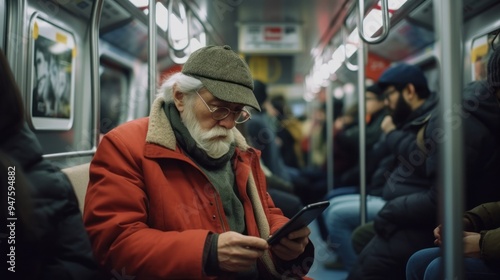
{"x":188,"y":144}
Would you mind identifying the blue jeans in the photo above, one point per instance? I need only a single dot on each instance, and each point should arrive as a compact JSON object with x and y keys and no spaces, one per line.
{"x":329,"y":195}
{"x":342,"y":217}
{"x":427,"y":264}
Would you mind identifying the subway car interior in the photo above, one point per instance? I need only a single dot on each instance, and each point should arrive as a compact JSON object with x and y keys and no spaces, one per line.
{"x":113,"y":55}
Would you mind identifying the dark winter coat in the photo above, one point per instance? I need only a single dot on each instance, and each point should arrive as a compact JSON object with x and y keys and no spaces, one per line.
{"x":58,"y":245}
{"x":485,"y":219}
{"x":402,"y":179}
{"x":405,"y":223}
{"x":346,"y":150}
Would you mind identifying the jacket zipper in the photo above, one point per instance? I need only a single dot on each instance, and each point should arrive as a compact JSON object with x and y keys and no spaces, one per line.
{"x":217,"y":204}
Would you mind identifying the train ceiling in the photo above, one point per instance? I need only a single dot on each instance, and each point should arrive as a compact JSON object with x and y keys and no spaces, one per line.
{"x":320,"y":20}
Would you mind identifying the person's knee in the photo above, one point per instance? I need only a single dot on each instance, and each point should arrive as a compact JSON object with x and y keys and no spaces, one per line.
{"x":362,"y":236}
{"x":333,"y":217}
{"x":434,"y":270}
{"x":415,"y":267}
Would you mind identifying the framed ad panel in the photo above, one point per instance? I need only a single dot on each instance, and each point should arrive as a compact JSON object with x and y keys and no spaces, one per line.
{"x":52,"y":51}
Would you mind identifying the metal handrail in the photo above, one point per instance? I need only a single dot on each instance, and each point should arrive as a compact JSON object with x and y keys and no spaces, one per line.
{"x":94,"y":67}
{"x":71,"y":154}
{"x":13,"y":42}
{"x":169,"y":37}
{"x":448,"y":16}
{"x":363,"y":214}
{"x":176,"y":59}
{"x":347,"y":63}
{"x":171,"y":53}
{"x":152,"y":50}
{"x":385,"y":22}
{"x":95,"y":18}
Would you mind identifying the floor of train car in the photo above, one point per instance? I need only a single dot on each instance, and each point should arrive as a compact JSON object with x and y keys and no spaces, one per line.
{"x":318,"y":271}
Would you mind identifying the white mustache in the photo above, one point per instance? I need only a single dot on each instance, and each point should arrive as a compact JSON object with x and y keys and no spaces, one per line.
{"x":216,"y":132}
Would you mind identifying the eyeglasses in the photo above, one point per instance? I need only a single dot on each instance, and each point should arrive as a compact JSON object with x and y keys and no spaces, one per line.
{"x":389,"y":93}
{"x":220,"y":113}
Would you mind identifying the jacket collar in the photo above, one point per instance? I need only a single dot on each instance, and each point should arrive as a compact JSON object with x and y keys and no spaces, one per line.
{"x":160,"y":131}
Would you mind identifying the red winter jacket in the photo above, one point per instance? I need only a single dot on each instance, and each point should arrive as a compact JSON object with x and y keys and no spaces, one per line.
{"x":149,"y":208}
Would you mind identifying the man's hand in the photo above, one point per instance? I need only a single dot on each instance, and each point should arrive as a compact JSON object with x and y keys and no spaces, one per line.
{"x":291,"y":246}
{"x":438,"y":235}
{"x":237,"y":252}
{"x":387,"y":124}
{"x":471,"y":244}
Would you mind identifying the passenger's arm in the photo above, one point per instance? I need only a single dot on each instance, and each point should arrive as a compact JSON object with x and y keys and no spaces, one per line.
{"x":484,"y":217}
{"x":490,"y":246}
{"x":404,"y":146}
{"x":57,"y":212}
{"x":414,"y":210}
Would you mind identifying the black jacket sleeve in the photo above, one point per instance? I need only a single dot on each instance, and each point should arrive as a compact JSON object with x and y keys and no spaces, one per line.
{"x":417,"y":210}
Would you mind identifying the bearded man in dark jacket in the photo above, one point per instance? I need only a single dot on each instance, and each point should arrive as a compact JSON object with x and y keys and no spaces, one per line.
{"x":406,"y":222}
{"x":411,"y":104}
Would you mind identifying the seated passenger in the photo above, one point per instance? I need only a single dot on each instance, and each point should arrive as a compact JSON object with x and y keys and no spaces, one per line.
{"x":346,"y":148}
{"x":289,"y":133}
{"x":481,"y":251}
{"x":346,"y":137}
{"x":409,"y":109}
{"x":346,"y":145}
{"x":481,"y":224}
{"x":260,"y":132}
{"x":410,"y":103}
{"x":404,"y":225}
{"x":57,"y":246}
{"x":282,"y":194}
{"x":342,"y":216}
{"x":181,"y":195}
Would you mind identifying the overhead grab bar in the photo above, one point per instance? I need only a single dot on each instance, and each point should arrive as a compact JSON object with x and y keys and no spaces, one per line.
{"x":348,"y":64}
{"x":385,"y":22}
{"x":187,"y":52}
{"x":176,"y":59}
{"x":169,"y":36}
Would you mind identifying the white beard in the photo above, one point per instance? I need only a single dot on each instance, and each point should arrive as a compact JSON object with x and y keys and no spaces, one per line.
{"x":215,"y":142}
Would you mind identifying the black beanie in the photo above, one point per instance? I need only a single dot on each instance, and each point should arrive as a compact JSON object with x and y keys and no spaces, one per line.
{"x":494,"y":69}
{"x":377,"y":90}
{"x":260,"y":91}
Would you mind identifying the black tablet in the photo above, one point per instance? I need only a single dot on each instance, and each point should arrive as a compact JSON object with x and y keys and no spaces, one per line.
{"x":304,"y":217}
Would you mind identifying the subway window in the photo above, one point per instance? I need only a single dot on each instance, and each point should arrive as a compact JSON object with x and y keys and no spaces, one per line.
{"x":114,"y":95}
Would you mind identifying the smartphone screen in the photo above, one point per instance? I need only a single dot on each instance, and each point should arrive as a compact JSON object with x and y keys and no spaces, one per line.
{"x":303,"y":218}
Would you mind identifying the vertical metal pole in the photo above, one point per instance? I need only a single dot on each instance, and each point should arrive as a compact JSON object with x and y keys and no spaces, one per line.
{"x":329,"y":136}
{"x":94,"y":66}
{"x":362,"y":130}
{"x":449,"y":20}
{"x":15,"y":41}
{"x":152,"y":50}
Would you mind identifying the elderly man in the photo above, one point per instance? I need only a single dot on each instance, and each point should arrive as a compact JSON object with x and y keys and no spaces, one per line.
{"x":181,"y":195}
